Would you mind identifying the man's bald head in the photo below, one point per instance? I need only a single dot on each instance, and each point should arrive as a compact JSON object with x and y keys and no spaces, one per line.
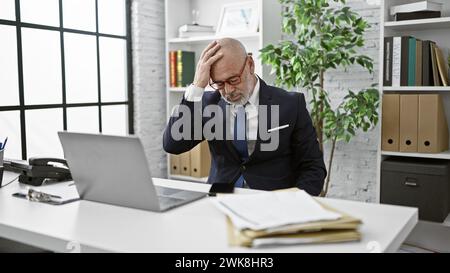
{"x":232,"y":47}
{"x":234,"y":54}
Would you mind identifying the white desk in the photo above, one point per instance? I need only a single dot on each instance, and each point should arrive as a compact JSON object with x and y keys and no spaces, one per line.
{"x":196,"y":227}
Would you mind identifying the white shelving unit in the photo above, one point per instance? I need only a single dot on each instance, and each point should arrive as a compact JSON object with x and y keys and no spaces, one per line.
{"x":438,"y":30}
{"x":443,"y":155}
{"x":423,"y":24}
{"x":420,"y":89}
{"x":178,"y":12}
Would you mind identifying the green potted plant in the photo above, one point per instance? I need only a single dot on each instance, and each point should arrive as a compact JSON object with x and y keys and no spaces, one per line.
{"x":321,"y":37}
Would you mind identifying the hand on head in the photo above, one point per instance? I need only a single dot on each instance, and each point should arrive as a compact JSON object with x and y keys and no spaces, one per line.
{"x":207,"y":59}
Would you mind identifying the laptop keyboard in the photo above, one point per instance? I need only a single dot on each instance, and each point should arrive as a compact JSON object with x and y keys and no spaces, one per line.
{"x":163,"y":191}
{"x":169,"y":197}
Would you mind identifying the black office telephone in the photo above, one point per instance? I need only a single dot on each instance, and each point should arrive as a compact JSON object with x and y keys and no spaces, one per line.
{"x":39,"y":170}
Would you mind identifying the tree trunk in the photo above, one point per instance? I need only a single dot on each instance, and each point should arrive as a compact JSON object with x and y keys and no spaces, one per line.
{"x":319,"y":119}
{"x":330,"y":163}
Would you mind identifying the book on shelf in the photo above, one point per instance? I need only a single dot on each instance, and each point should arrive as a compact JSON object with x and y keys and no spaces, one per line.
{"x":442,"y":66}
{"x":173,"y":68}
{"x":185,"y":68}
{"x":408,"y":61}
{"x":400,"y":61}
{"x":403,"y":16}
{"x":387,"y":61}
{"x":436,"y":80}
{"x":419,"y":64}
{"x":396,"y":61}
{"x":181,"y":68}
{"x":416,"y":7}
{"x":412,"y":61}
{"x":426,"y":64}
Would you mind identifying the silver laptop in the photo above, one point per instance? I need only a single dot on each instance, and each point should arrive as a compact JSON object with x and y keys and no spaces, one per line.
{"x":114,"y":170}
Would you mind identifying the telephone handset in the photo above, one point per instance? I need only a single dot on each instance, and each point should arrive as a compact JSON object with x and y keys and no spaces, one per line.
{"x":43,"y":161}
{"x":40,"y":169}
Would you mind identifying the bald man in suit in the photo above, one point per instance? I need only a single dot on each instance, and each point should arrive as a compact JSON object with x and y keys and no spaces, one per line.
{"x":295,"y":162}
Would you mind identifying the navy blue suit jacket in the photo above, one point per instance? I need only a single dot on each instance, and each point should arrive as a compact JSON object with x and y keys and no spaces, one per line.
{"x":297,"y":162}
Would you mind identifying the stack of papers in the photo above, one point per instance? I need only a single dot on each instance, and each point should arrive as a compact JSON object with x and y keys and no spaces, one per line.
{"x":285,"y":217}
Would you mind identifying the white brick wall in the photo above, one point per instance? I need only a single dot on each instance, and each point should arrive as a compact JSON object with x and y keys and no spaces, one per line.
{"x":354,"y":168}
{"x":354,"y":165}
{"x":148,"y":36}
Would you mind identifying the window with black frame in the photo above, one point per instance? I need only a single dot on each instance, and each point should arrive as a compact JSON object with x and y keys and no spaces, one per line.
{"x":64,"y":65}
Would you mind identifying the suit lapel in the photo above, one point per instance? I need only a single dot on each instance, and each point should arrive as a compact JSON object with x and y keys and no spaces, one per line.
{"x":265,"y":98}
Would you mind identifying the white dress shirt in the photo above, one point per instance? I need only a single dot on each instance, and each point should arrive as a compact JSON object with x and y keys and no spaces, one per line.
{"x":194,"y":94}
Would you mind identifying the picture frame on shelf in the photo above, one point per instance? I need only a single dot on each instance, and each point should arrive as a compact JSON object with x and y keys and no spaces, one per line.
{"x":241,"y":17}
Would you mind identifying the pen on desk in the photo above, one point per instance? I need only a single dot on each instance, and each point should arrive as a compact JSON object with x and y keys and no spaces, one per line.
{"x":4,"y":144}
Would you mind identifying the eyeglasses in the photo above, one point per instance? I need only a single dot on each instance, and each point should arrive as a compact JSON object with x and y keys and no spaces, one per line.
{"x":38,"y":196}
{"x":234,"y":80}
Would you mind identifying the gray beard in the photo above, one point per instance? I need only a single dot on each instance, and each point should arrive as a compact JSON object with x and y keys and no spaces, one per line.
{"x":242,"y":101}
